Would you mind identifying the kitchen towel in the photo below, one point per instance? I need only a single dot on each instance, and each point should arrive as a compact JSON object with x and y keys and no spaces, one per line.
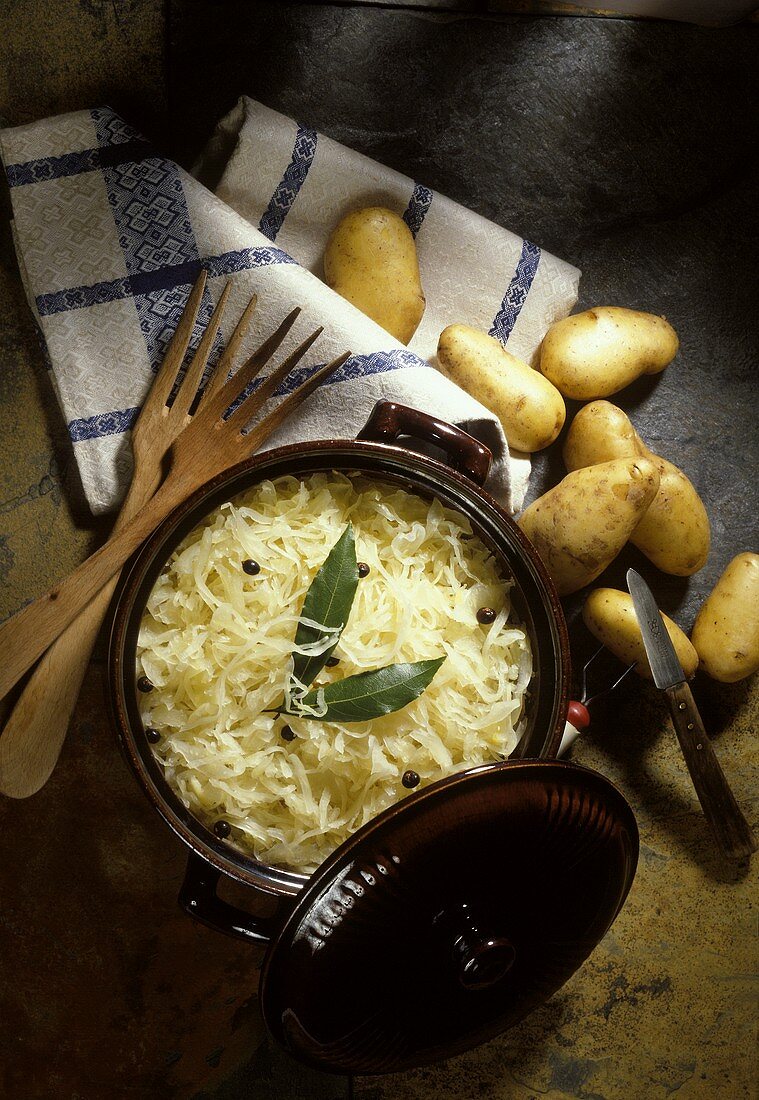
{"x":110,"y":236}
{"x":296,"y":185}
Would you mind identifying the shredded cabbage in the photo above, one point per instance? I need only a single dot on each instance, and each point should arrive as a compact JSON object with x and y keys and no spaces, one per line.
{"x":216,"y":643}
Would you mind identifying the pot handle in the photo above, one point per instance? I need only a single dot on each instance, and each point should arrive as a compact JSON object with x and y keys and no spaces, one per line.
{"x":198,"y":898}
{"x":388,"y":420}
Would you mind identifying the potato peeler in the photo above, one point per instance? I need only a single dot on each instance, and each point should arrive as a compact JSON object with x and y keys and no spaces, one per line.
{"x":578,"y":715}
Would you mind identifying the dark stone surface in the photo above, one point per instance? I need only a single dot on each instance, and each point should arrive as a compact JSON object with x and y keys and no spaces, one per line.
{"x":624,"y":147}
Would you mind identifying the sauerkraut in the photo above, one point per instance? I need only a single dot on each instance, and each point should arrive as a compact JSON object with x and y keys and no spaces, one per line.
{"x":215,"y":643}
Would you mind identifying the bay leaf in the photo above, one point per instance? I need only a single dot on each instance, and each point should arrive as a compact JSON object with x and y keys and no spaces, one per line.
{"x":328,"y":602}
{"x":371,"y":694}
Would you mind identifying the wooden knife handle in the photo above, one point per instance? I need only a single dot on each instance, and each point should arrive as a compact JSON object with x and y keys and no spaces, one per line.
{"x":728,"y":824}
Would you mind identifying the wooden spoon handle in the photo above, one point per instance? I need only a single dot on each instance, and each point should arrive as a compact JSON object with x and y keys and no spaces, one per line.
{"x":33,"y":736}
{"x":27,"y":635}
{"x":730,"y":828}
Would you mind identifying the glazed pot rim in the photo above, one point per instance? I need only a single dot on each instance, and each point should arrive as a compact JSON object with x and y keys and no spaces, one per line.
{"x":393,"y":462}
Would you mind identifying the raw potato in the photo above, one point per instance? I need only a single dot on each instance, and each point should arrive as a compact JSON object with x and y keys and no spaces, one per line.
{"x":602,"y":350}
{"x":530,"y":409}
{"x":580,"y":525}
{"x":726,"y":630}
{"x":371,"y":260}
{"x":610,"y":616}
{"x":674,"y":533}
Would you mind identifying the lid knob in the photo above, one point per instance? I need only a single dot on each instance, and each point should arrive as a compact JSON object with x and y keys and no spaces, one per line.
{"x":485,"y":962}
{"x":480,"y":958}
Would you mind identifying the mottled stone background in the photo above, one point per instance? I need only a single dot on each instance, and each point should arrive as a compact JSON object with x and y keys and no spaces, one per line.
{"x":626,"y":147}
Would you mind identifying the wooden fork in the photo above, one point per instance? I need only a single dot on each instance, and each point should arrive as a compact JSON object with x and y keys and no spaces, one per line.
{"x":208,"y":445}
{"x":34,"y":733}
{"x":33,"y":736}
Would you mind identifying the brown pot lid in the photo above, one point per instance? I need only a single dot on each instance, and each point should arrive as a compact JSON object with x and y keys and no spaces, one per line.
{"x":450,"y":917}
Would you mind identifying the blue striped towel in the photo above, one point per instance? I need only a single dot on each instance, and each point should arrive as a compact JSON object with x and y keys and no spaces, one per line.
{"x":110,"y":237}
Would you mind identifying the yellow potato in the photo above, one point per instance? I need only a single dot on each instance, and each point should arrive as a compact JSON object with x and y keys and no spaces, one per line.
{"x":580,"y":525}
{"x":602,"y":350}
{"x":530,"y":409}
{"x":674,"y":533}
{"x":610,"y":616}
{"x":371,"y":260}
{"x":726,"y":630}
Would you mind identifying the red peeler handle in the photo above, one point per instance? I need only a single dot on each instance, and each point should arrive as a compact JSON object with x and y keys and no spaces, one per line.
{"x":578,"y":719}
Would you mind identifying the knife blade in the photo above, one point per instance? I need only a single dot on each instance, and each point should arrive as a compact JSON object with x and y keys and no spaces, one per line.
{"x":730,"y":828}
{"x":665,"y":664}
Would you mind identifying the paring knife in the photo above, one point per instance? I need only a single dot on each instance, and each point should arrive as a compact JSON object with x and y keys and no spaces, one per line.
{"x":728,"y":824}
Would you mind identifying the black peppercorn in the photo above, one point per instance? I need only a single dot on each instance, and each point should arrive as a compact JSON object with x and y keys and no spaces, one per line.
{"x":152,"y":735}
{"x":252,"y":568}
{"x":363,"y":569}
{"x":332,"y":661}
{"x":485,"y":615}
{"x":288,"y":734}
{"x":145,"y":685}
{"x":222,"y":829}
{"x":410,"y":779}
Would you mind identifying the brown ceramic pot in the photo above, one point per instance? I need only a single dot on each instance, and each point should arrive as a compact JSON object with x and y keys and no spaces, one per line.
{"x":570,"y":813}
